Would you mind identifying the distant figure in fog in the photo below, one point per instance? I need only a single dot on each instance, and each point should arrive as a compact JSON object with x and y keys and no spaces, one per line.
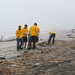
{"x":51,"y":37}
{"x":19,"y":38}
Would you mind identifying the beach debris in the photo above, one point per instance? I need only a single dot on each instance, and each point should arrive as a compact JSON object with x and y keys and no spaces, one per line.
{"x":0,"y":61}
{"x":13,"y":65}
{"x":35,"y":51}
{"x":72,"y":47}
{"x":1,"y":57}
{"x":1,"y":37}
{"x":19,"y":56}
{"x":70,"y":36}
{"x":53,"y":47}
{"x":36,"y":64}
{"x":73,"y":30}
{"x":42,"y":44}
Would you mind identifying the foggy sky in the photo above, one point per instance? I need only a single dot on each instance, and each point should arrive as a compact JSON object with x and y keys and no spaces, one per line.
{"x":48,"y":14}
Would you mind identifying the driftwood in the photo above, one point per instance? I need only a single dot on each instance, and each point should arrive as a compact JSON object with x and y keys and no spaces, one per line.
{"x":1,"y":37}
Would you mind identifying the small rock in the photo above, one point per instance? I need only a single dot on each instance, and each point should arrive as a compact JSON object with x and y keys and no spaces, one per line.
{"x":35,"y":65}
{"x":0,"y":61}
{"x":13,"y":65}
{"x":19,"y":56}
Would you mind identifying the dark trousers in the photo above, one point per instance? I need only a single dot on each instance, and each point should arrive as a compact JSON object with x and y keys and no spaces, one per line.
{"x":19,"y":43}
{"x":34,"y":40}
{"x":50,"y":37}
{"x":29,"y":42}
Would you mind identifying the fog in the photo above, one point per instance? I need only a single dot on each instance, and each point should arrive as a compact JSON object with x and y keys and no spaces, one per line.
{"x":48,"y":14}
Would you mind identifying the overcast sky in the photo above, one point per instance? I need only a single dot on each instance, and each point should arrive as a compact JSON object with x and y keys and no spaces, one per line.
{"x":48,"y":14}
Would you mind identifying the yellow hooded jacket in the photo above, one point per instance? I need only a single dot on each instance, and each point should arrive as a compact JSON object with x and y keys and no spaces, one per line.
{"x":33,"y":30}
{"x":52,"y":33}
{"x":18,"y":33}
{"x":24,"y":31}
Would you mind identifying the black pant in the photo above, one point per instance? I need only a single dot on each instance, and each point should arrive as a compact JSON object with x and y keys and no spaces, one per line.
{"x":29,"y":42}
{"x":19,"y":43}
{"x":50,"y":37}
{"x":34,"y":40}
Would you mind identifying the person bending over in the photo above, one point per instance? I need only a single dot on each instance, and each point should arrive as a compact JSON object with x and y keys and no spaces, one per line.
{"x":51,"y":36}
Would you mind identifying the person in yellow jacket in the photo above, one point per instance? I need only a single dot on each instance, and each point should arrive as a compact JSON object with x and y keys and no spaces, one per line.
{"x":33,"y":33}
{"x":24,"y":35}
{"x":19,"y":38}
{"x":51,"y":35}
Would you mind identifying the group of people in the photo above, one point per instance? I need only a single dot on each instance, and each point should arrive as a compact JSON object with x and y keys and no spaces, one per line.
{"x":23,"y":35}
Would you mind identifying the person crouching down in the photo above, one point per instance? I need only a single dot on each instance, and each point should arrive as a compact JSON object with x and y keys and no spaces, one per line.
{"x":19,"y":38}
{"x":51,"y":36}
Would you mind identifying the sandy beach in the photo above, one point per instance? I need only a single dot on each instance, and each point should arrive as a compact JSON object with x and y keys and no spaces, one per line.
{"x":37,"y":37}
{"x":8,"y":50}
{"x":57,"y":59}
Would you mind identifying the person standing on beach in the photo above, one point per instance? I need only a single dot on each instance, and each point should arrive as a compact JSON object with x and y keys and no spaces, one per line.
{"x":24,"y":35}
{"x":51,"y":35}
{"x":33,"y":33}
{"x":19,"y":38}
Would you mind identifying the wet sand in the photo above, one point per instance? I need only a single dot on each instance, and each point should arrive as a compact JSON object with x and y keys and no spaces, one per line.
{"x":8,"y":50}
{"x":57,"y":59}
